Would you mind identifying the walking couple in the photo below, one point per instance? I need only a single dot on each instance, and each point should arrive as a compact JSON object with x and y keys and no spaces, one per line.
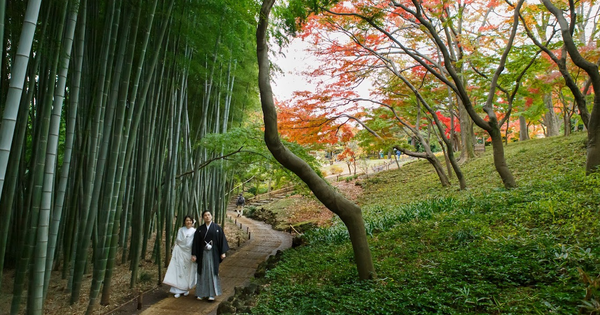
{"x":196,"y":258}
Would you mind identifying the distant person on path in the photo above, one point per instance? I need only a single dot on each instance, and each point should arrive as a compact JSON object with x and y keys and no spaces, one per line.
{"x":398,"y":153}
{"x":208,"y":250}
{"x":239,"y":205}
{"x":181,"y":273}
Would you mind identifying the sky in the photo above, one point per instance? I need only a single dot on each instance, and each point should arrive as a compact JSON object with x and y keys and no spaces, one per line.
{"x":297,"y":59}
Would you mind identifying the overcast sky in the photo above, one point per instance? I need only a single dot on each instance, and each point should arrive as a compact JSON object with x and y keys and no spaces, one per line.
{"x":297,"y":59}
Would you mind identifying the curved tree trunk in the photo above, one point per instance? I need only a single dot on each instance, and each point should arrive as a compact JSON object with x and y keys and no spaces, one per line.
{"x":430,"y":157}
{"x":592,"y":164}
{"x":439,"y":169}
{"x":348,"y":212}
{"x":492,"y":127}
{"x":499,"y":160}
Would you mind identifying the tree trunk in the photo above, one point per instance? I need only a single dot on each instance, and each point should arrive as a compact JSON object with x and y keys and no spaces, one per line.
{"x":467,"y":136}
{"x":53,"y":141}
{"x":439,"y":169}
{"x":567,"y":119}
{"x":2,"y":14}
{"x":106,"y":171}
{"x":348,"y":212}
{"x":500,"y":161}
{"x":115,"y":168}
{"x":6,"y":207}
{"x":592,"y":164}
{"x":552,"y":122}
{"x":43,"y":177}
{"x":6,"y":202}
{"x":446,"y":158}
{"x":523,"y":129}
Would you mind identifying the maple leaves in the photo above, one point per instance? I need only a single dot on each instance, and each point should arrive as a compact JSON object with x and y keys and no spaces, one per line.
{"x":311,"y":117}
{"x":311,"y":120}
{"x":448,"y":124}
{"x":427,"y":58}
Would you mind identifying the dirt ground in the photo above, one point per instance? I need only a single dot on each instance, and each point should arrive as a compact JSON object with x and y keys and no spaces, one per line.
{"x":57,"y":301}
{"x":122,"y":297}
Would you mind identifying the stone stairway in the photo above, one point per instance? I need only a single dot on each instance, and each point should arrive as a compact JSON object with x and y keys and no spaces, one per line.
{"x":269,"y":197}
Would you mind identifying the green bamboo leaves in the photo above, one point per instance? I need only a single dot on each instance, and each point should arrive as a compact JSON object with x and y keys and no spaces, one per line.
{"x":99,"y":176}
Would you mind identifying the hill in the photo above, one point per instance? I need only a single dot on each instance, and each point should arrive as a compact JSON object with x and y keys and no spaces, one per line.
{"x":484,"y":250}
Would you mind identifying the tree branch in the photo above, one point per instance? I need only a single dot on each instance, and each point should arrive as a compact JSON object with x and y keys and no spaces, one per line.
{"x":206,"y":163}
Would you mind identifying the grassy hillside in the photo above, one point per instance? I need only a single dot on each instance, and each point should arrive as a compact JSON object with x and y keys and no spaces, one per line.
{"x":485,"y":250}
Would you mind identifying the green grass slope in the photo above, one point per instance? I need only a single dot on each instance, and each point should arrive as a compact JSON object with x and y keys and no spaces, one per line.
{"x":485,"y":250}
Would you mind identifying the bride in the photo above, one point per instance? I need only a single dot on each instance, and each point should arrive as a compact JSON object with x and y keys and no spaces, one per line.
{"x":181,"y":273}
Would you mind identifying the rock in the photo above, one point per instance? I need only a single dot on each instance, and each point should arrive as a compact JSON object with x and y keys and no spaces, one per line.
{"x":261,"y":271}
{"x":302,"y":227}
{"x":238,"y":304}
{"x":238,"y":291}
{"x":297,"y":241}
{"x":265,"y":215}
{"x":252,"y":289}
{"x":226,"y":308}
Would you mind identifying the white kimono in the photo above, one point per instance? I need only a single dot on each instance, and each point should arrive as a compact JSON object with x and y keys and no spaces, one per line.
{"x":181,"y":273}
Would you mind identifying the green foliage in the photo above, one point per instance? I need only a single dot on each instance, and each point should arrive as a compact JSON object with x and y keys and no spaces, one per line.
{"x":253,"y":158}
{"x":227,"y":49}
{"x":486,"y":250}
{"x":292,"y":16}
{"x":349,"y":178}
{"x":145,"y":277}
{"x":592,"y":293}
{"x":249,"y":211}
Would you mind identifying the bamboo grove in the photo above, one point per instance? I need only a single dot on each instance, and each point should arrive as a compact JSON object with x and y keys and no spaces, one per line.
{"x":104,"y":104}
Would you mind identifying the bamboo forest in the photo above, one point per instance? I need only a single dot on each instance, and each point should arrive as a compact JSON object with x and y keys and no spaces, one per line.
{"x":444,"y":160}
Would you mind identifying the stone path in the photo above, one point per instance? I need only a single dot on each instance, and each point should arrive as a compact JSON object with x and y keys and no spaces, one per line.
{"x":236,"y":270}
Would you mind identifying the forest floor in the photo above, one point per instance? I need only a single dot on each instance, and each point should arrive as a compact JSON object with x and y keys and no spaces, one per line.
{"x":481,"y":250}
{"x":58,"y":299}
{"x":290,"y":211}
{"x":296,"y":209}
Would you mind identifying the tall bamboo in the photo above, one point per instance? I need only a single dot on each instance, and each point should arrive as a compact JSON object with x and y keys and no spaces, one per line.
{"x":114,"y":169}
{"x":111,"y":141}
{"x":70,"y":132}
{"x":16,"y":165}
{"x":88,"y":218}
{"x":36,"y":182}
{"x":2,"y":13}
{"x":17,"y":80}
{"x":46,"y":240}
{"x":14,"y":173}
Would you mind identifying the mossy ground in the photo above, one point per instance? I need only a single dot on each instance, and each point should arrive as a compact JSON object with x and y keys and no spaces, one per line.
{"x":483,"y":250}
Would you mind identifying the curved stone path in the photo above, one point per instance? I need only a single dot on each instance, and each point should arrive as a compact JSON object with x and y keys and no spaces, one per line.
{"x":236,"y":270}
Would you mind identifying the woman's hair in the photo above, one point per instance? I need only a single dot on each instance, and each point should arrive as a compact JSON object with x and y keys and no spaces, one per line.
{"x":188,"y":216}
